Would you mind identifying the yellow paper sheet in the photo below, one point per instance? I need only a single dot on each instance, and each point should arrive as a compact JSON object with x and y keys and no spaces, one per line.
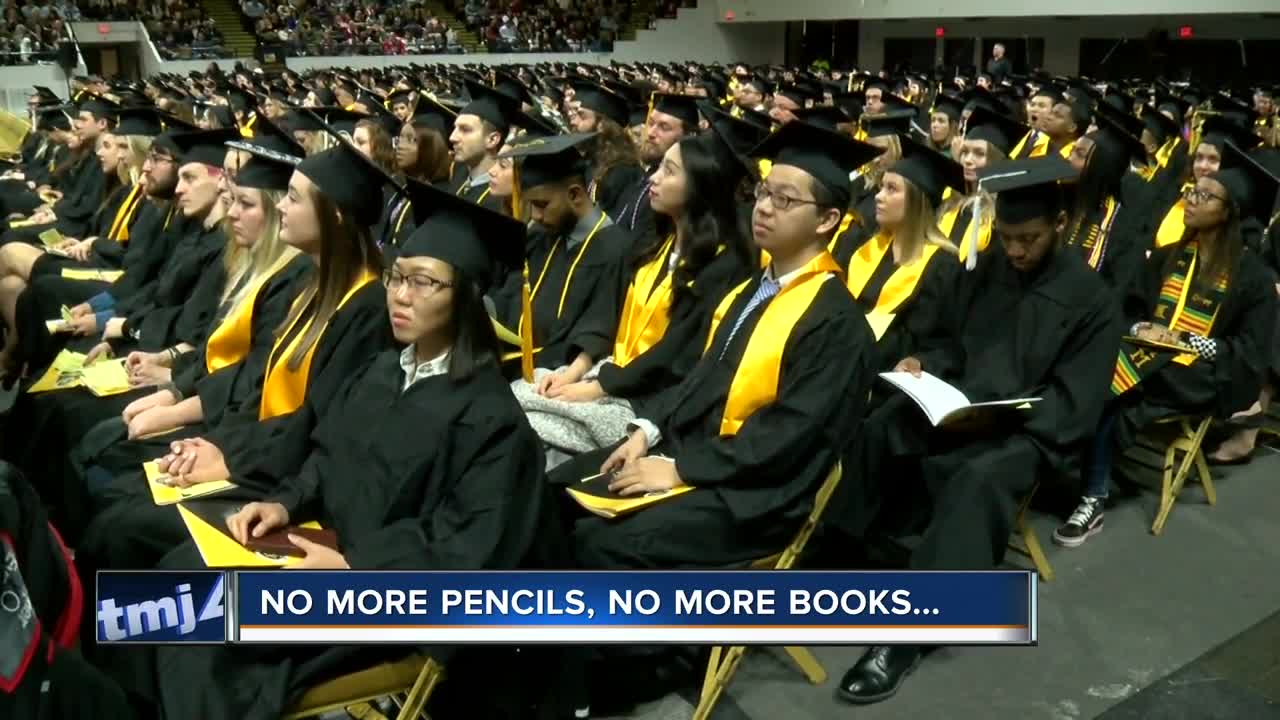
{"x":68,"y":361}
{"x":164,"y":494}
{"x":220,"y":551}
{"x":880,"y":323}
{"x":51,"y":237}
{"x":106,"y":378}
{"x":100,"y":275}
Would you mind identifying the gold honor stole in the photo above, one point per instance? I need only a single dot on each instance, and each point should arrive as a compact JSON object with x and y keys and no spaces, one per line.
{"x":1039,"y":146}
{"x":755,"y":383}
{"x":230,"y":341}
{"x":283,"y":390}
{"x":246,"y":130}
{"x":1095,"y":245}
{"x":120,"y":225}
{"x":947,"y":223}
{"x":1171,"y":228}
{"x":646,"y":312}
{"x":1185,"y":311}
{"x":845,"y":223}
{"x":900,"y":286}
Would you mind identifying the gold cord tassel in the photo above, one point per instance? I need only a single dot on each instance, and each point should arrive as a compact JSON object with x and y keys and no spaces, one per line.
{"x":526,"y":329}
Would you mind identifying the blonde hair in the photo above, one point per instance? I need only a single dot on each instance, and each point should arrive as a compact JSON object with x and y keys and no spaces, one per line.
{"x":130,"y":167}
{"x":919,"y":225}
{"x":246,"y":267}
{"x":892,"y":152}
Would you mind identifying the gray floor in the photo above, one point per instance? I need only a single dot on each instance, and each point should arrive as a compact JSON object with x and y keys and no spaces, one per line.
{"x":1126,"y":610}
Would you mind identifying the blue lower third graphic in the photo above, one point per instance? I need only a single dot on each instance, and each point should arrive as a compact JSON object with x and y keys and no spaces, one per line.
{"x":186,"y":606}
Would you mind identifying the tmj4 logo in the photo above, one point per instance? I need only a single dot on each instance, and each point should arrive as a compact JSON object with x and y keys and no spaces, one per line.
{"x":116,"y":622}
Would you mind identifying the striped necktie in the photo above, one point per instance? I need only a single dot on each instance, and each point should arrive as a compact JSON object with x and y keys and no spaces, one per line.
{"x":768,"y":288}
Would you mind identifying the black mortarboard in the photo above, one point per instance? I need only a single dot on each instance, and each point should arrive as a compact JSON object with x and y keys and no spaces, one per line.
{"x":893,"y":103}
{"x":430,"y":114}
{"x":1113,"y":131}
{"x":1233,"y":109}
{"x":340,"y":119}
{"x":738,"y":136}
{"x":1159,"y":124}
{"x":949,"y":105}
{"x":468,"y":236}
{"x":54,"y":118}
{"x":348,"y":178}
{"x":682,"y":107}
{"x":1027,"y":189}
{"x":297,"y":120}
{"x":799,"y":93}
{"x":1118,"y":100}
{"x":827,"y":117}
{"x":384,"y":117}
{"x":272,"y":138}
{"x":599,"y":99}
{"x":496,"y":108}
{"x":929,"y":170}
{"x":996,"y":128}
{"x":512,"y":86}
{"x":139,"y":121}
{"x":266,"y":169}
{"x":535,"y":125}
{"x":45,"y":94}
{"x":549,"y":159}
{"x":203,"y":146}
{"x":851,"y":103}
{"x":891,"y":123}
{"x":1249,"y":184}
{"x":239,"y":99}
{"x":325,"y":97}
{"x":1053,"y":91}
{"x":1217,"y":130}
{"x":876,"y":82}
{"x":401,"y":96}
{"x":829,"y":157}
{"x":1174,"y":104}
{"x":98,"y":106}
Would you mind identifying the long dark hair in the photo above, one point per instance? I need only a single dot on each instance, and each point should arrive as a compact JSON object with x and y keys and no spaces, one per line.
{"x":346,"y":249}
{"x":1225,"y":258}
{"x":710,"y":216}
{"x":1101,"y":178}
{"x":474,"y":341}
{"x":433,"y":161}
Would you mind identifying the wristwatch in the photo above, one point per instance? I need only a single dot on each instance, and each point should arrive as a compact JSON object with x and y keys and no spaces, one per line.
{"x":172,"y":388}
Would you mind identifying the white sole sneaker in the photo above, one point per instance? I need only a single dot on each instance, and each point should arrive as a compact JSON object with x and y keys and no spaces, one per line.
{"x":1078,"y":540}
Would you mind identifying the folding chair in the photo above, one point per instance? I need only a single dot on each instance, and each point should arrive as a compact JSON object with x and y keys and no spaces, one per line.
{"x":1174,"y":446}
{"x":1030,"y":545}
{"x":408,"y":682}
{"x":724,"y":661}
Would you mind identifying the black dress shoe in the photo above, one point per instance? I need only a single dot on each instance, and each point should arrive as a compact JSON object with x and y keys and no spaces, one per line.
{"x":879,"y":673}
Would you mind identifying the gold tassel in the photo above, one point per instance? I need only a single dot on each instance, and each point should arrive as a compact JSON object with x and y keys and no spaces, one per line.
{"x":517,"y":211}
{"x":526,"y":328}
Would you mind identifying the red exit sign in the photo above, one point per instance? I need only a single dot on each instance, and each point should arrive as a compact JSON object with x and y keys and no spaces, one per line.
{"x":1186,"y":32}
{"x":939,"y":32}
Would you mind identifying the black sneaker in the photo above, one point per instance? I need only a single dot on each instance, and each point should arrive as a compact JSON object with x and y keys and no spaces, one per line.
{"x":1084,"y":523}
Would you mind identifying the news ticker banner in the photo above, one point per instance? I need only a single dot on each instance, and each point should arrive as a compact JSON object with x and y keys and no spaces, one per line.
{"x":599,"y":607}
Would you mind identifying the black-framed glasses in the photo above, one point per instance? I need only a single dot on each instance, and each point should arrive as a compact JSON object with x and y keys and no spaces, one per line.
{"x":780,"y":202}
{"x":155,"y":158}
{"x":420,"y":285}
{"x":1196,"y":196}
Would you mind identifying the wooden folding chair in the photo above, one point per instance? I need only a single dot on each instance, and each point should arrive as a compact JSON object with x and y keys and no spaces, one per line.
{"x":1173,"y":447}
{"x":408,"y":682}
{"x":1030,"y":545}
{"x":724,"y":661}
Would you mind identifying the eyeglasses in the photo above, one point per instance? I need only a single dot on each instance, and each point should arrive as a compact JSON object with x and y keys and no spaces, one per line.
{"x":156,"y":158}
{"x":780,"y":202}
{"x":420,"y":285}
{"x":1197,"y":196}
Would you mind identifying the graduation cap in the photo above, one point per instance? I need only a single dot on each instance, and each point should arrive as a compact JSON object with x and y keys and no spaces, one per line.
{"x":599,"y":99}
{"x":1175,"y":105}
{"x":266,"y":169}
{"x":890,"y":123}
{"x":325,"y":97}
{"x":546,"y":160}
{"x":45,"y":94}
{"x":827,"y":117}
{"x":271,"y":140}
{"x":1114,"y":132}
{"x":1027,"y":189}
{"x":535,"y":125}
{"x":681,"y":107}
{"x":1250,"y":185}
{"x":401,"y":95}
{"x":512,"y":86}
{"x":929,"y":170}
{"x":432,"y":114}
{"x":949,"y":105}
{"x":799,"y":93}
{"x":340,"y":119}
{"x":144,"y":121}
{"x":54,"y":118}
{"x":998,"y":129}
{"x":876,"y":82}
{"x":208,"y":147}
{"x":1159,"y":125}
{"x":352,"y":181}
{"x":239,"y":99}
{"x":1118,"y":100}
{"x":893,"y":103}
{"x":496,"y":108}
{"x":1234,"y":109}
{"x":100,"y":107}
{"x":468,"y":236}
{"x":1053,"y":91}
{"x":1218,"y":130}
{"x":739,"y":137}
{"x":850,"y":103}
{"x":828,"y":157}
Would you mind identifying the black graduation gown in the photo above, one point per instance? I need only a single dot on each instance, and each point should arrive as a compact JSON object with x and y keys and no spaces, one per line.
{"x":589,"y":318}
{"x":130,"y":531}
{"x":444,"y":476}
{"x":670,"y":359}
{"x":865,"y":226}
{"x":634,"y":213}
{"x":104,"y":253}
{"x":79,"y":201}
{"x":1126,"y":245}
{"x":395,"y":227}
{"x":1053,"y":334}
{"x":1244,"y":330}
{"x":609,"y":193}
{"x":754,"y":487}
{"x":921,"y":319}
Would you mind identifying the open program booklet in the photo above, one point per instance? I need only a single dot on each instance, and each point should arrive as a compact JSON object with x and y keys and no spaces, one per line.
{"x":941,"y":401}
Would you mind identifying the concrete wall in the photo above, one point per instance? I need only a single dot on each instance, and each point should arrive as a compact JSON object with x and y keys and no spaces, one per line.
{"x":16,"y":83}
{"x":695,"y":35}
{"x":1061,"y":36}
{"x":775,"y":10}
